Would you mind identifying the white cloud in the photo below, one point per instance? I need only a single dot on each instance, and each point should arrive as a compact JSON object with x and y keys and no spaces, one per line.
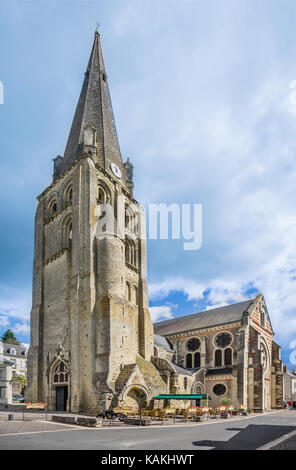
{"x":203,"y":110}
{"x":15,"y":302}
{"x":222,"y":304}
{"x":21,"y":328}
{"x":4,"y":321}
{"x":216,"y":292}
{"x":163,"y":312}
{"x":192,"y":289}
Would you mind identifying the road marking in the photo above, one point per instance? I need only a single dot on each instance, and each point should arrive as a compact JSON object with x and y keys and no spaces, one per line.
{"x":35,"y":432}
{"x":277,"y":441}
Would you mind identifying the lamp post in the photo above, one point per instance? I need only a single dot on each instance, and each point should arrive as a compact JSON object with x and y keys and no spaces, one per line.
{"x":141,"y":396}
{"x":208,"y":397}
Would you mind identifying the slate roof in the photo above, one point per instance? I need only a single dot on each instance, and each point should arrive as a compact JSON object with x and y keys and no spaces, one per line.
{"x":6,"y":361}
{"x":19,"y":348}
{"x":217,"y":371}
{"x":182,"y":370}
{"x":208,"y":318}
{"x":94,"y":107}
{"x":162,"y":342}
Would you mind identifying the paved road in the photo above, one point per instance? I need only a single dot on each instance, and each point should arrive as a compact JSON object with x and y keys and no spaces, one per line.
{"x":243,"y":433}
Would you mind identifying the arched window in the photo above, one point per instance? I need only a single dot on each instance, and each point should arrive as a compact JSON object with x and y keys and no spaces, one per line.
{"x":134,"y":256}
{"x":197,"y":359}
{"x":70,"y":236}
{"x":131,"y":252}
{"x":228,"y":357}
{"x":101,"y":196}
{"x":104,"y":196}
{"x":127,"y":218}
{"x":131,"y":219}
{"x":188,"y":361}
{"x":128,"y":291}
{"x":218,"y":357}
{"x":60,"y":373}
{"x":67,"y":232}
{"x":13,"y":351}
{"x":53,"y":207}
{"x":69,"y":194}
{"x":127,"y":251}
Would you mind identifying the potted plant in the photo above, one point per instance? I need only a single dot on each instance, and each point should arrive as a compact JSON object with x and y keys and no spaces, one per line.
{"x":225,"y":402}
{"x":235,"y":411}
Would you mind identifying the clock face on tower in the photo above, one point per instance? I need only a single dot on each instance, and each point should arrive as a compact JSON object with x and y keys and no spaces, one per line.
{"x":115,"y":170}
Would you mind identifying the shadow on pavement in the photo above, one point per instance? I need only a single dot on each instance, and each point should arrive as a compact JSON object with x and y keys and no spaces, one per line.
{"x":250,"y":438}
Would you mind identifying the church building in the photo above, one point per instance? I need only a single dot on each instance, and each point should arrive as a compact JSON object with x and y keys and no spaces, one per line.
{"x":93,"y":344}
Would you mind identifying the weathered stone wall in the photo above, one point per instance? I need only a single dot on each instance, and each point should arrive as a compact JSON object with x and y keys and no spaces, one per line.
{"x":207,"y":344}
{"x":80,"y":301}
{"x":277,"y":377}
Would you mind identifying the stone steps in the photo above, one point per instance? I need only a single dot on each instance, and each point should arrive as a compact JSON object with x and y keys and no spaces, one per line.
{"x":124,"y":376}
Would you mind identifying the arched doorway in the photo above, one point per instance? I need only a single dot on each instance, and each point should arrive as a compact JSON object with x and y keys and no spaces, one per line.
{"x":60,"y":379}
{"x":197,"y":389}
{"x":134,"y":397}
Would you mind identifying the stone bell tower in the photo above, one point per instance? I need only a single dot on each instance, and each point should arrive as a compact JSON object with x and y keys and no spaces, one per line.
{"x":91,"y":331}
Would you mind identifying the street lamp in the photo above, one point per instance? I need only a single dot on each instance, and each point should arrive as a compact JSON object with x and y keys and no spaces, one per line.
{"x":141,"y":396}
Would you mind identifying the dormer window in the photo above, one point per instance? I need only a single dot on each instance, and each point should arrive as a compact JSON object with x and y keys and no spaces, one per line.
{"x":104,"y":76}
{"x":12,"y":351}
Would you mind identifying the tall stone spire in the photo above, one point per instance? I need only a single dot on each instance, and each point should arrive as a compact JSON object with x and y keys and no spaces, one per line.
{"x":93,"y":128}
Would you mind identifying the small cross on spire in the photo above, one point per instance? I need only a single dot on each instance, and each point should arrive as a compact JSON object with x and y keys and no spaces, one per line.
{"x":97,"y":28}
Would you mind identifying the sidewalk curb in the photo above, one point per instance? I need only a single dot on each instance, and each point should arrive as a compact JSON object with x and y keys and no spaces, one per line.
{"x":274,"y":443}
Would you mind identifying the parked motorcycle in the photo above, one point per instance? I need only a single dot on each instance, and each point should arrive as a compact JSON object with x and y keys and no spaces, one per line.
{"x":111,"y":415}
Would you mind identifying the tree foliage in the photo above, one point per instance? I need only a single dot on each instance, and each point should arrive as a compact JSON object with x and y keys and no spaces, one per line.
{"x":9,"y":337}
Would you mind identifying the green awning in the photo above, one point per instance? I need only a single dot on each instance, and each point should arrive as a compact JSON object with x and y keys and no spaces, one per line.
{"x":204,"y":396}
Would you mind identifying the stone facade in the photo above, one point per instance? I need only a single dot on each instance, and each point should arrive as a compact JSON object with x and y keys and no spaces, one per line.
{"x":91,"y":331}
{"x":289,"y":385}
{"x":92,"y":339}
{"x":17,"y":354}
{"x":5,"y":381}
{"x":234,"y":356}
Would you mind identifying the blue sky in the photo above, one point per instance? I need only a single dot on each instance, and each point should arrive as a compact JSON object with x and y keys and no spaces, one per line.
{"x":200,"y":92}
